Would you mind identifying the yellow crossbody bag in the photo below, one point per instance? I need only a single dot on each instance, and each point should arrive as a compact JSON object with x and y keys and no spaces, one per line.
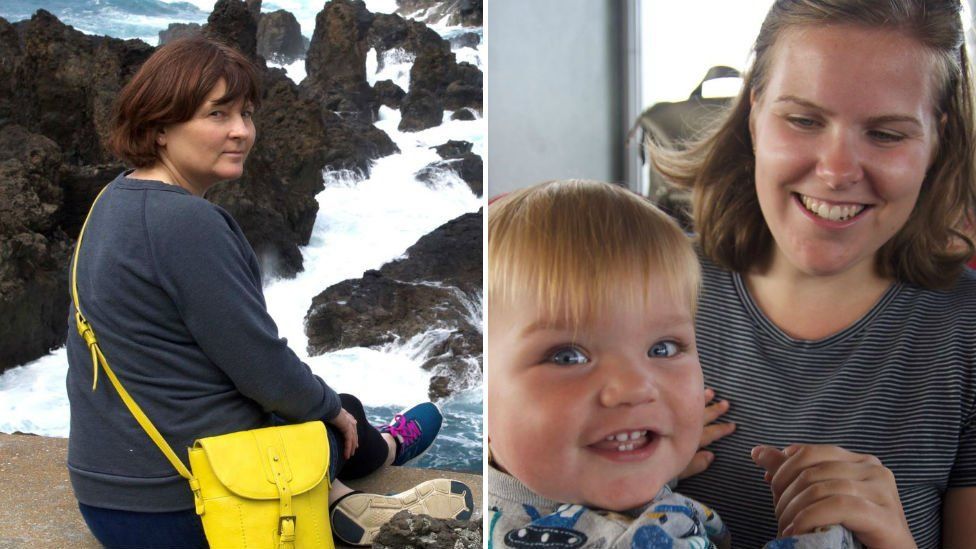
{"x":261,"y":488}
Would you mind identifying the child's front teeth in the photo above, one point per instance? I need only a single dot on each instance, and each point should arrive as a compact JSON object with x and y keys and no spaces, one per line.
{"x":624,"y":437}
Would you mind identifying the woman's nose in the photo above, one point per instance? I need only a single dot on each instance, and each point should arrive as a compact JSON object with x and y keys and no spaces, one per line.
{"x":241,"y":128}
{"x":628,"y":382}
{"x":839,"y":165}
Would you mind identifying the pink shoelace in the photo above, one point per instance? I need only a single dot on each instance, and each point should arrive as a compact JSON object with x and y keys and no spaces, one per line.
{"x":408,"y":431}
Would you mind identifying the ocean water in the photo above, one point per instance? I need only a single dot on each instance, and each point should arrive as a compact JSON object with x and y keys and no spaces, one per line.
{"x":141,"y":19}
{"x":144,"y":19}
{"x":362,"y":223}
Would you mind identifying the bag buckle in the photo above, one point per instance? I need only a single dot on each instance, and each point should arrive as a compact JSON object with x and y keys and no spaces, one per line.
{"x":286,"y":525}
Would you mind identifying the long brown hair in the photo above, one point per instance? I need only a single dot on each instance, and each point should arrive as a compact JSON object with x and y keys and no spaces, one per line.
{"x":932,"y":247}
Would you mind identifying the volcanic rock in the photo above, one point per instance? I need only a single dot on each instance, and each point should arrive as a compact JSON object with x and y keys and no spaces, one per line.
{"x":466,"y":89}
{"x":232,"y":23}
{"x":420,"y":110}
{"x":56,"y":90}
{"x":433,"y":287}
{"x":390,"y":31}
{"x":66,"y":82}
{"x":453,"y":149}
{"x":466,"y":40}
{"x":455,"y":362}
{"x":436,"y":70}
{"x":466,"y":113}
{"x":81,"y":184}
{"x":280,"y":38}
{"x":468,"y":167}
{"x":449,"y":255}
{"x":459,"y":159}
{"x":408,"y":531}
{"x":254,"y":8}
{"x":352,"y":143}
{"x":456,"y":84}
{"x":440,"y":387}
{"x":34,"y":251}
{"x":9,"y":58}
{"x":336,"y":59}
{"x":471,"y":13}
{"x":432,"y":71}
{"x":375,"y":310}
{"x":179,"y":30}
{"x":389,"y":94}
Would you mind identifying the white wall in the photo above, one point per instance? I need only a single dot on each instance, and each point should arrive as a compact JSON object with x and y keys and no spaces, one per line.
{"x":551,"y":100}
{"x":678,"y":44}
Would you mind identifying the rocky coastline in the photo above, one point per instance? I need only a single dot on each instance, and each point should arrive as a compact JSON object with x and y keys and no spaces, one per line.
{"x":56,"y":89}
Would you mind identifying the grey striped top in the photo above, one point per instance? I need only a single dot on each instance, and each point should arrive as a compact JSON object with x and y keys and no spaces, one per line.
{"x":899,"y":384}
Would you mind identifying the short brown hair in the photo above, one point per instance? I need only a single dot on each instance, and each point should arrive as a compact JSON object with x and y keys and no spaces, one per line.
{"x":169,"y":88}
{"x":932,"y":247}
{"x":574,"y":249}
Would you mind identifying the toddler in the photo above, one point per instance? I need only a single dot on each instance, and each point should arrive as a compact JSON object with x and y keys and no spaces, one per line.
{"x":595,"y":395}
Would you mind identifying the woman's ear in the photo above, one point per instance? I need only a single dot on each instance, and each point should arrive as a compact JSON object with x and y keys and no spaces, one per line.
{"x":161,"y":137}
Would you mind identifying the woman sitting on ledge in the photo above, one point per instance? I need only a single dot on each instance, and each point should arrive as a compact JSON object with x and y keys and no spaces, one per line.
{"x":173,"y":291}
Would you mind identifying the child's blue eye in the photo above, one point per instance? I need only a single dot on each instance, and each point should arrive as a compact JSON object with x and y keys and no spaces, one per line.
{"x":568,"y":356}
{"x":664,"y":349}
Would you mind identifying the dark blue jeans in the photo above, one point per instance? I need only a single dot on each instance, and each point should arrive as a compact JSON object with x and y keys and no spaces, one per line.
{"x":183,"y":529}
{"x":130,"y":530}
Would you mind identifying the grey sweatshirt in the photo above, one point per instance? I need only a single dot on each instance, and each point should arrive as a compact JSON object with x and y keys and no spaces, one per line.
{"x":173,"y":292}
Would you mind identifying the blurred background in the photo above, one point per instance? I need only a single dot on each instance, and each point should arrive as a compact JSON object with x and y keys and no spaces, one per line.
{"x":569,"y":79}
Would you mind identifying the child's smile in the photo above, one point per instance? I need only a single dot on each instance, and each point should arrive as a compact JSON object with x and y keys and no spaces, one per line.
{"x":602,"y":415}
{"x":627,"y":445}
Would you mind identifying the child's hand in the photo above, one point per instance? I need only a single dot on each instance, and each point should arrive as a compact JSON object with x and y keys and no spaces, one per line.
{"x":712,"y":432}
{"x":818,"y":486}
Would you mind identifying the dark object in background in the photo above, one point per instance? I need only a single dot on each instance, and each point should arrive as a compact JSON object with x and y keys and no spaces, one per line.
{"x":671,"y":126}
{"x":457,"y":157}
{"x":179,"y":30}
{"x":280,"y":38}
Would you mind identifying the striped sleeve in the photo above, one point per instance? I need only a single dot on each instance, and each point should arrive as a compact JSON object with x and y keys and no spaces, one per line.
{"x":898,"y":384}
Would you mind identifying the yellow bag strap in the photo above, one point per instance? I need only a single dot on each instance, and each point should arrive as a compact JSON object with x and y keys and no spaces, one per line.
{"x":88,"y":335}
{"x":286,"y":515}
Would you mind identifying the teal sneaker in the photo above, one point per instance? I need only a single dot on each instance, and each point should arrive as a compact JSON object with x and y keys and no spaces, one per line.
{"x":414,"y":430}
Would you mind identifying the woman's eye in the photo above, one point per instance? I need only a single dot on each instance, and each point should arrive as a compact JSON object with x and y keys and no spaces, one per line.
{"x":803,"y":122}
{"x":882,"y":136}
{"x":568,"y":356}
{"x":664,"y":349}
{"x":247,"y":114}
{"x":216,"y":114}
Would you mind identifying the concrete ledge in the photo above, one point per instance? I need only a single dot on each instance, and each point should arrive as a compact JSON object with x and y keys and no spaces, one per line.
{"x":39,"y":509}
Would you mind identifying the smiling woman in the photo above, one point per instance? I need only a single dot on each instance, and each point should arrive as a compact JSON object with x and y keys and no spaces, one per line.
{"x":834,"y":208}
{"x":816,"y":138}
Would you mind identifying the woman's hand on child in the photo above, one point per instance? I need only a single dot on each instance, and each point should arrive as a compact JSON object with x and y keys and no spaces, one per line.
{"x":818,"y":486}
{"x":347,"y":426}
{"x":712,"y":432}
